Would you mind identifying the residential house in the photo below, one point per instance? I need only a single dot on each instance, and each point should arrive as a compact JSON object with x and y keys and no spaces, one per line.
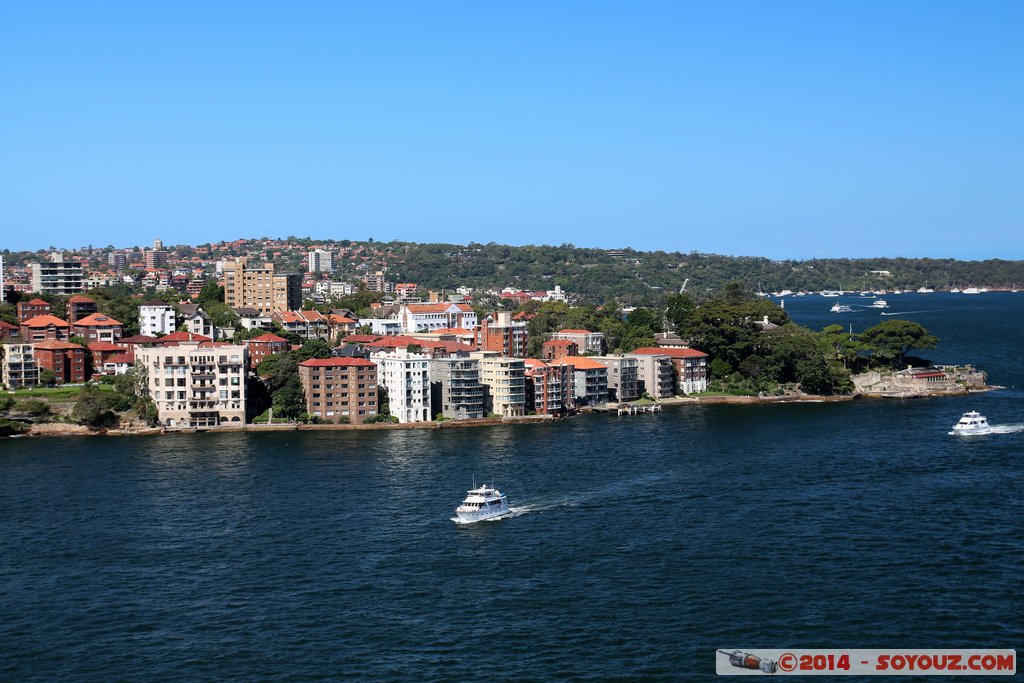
{"x":307,"y":324}
{"x":119,"y":364}
{"x":9,"y":331}
{"x":100,"y":352}
{"x":455,"y":388}
{"x":428,"y":317}
{"x":197,"y":321}
{"x":338,"y":389}
{"x":18,"y":367}
{"x":98,"y":327}
{"x":251,"y":319}
{"x":66,"y":360}
{"x":196,"y":384}
{"x":175,"y":338}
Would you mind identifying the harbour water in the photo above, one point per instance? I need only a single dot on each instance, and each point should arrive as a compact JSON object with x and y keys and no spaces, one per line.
{"x":639,"y":544}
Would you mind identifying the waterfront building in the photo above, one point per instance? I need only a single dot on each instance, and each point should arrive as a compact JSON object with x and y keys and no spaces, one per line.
{"x":406,"y":378}
{"x":58,"y":276}
{"x":320,"y":261}
{"x":690,"y":365}
{"x":27,"y":310}
{"x":66,"y":360}
{"x":261,"y":288}
{"x":455,"y":388}
{"x":79,"y":307}
{"x":501,"y":334}
{"x":265,"y":345}
{"x":623,"y":383}
{"x":44,"y":327}
{"x":586,"y":341}
{"x":590,"y":381}
{"x":504,"y":380}
{"x":548,"y":387}
{"x":196,"y":384}
{"x":18,"y":367}
{"x":339,"y":389}
{"x":430,"y":317}
{"x":655,"y":374}
{"x":98,"y":327}
{"x":156,"y":318}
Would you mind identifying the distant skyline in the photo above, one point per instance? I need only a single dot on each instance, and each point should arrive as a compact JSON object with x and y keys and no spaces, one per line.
{"x":785,"y":130}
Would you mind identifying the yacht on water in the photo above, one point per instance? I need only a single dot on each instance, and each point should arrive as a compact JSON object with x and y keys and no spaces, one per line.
{"x":841,"y":308}
{"x":830,"y":292}
{"x":482,"y":502}
{"x":879,"y":303}
{"x":925,"y":290}
{"x":972,"y":290}
{"x":972,"y":422}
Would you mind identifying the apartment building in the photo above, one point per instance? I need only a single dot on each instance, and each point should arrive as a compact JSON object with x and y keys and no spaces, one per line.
{"x":623,"y":382}
{"x":590,"y":381}
{"x":586,"y":341}
{"x":501,"y":334}
{"x":197,"y":384}
{"x":66,"y":360}
{"x":406,"y":377}
{"x":655,"y":374}
{"x":156,"y":318}
{"x":320,"y":261}
{"x":44,"y":327}
{"x":98,"y":327}
{"x":78,"y":307}
{"x":261,"y":288}
{"x":548,"y":387}
{"x":340,"y":389}
{"x":19,"y":368}
{"x":27,"y":310}
{"x":58,"y":276}
{"x":265,"y":345}
{"x":455,"y":388}
{"x":504,"y":380}
{"x":690,"y":366}
{"x":429,"y":317}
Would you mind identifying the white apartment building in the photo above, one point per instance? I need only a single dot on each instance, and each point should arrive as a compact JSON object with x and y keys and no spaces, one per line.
{"x":58,"y":276}
{"x":586,"y":341}
{"x":324,"y":289}
{"x":430,"y":317}
{"x":156,"y":318}
{"x":320,"y":261}
{"x":196,"y":384}
{"x":406,"y":377}
{"x":19,"y":367}
{"x":504,"y":380}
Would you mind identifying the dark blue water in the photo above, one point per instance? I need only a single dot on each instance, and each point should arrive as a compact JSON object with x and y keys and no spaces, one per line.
{"x":642,"y":543}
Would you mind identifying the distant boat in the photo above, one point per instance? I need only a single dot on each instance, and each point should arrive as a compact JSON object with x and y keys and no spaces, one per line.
{"x":868,"y":295}
{"x":785,"y":292}
{"x":925,"y":290}
{"x":841,"y":308}
{"x":983,"y":290}
{"x":972,"y":290}
{"x":880,"y":303}
{"x":830,"y":292}
{"x":954,"y":289}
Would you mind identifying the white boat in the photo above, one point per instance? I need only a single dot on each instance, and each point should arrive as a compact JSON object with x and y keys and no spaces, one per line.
{"x":879,"y":303}
{"x":830,"y":292}
{"x":972,"y":422}
{"x":482,"y":502}
{"x":841,"y":308}
{"x":785,"y":292}
{"x":972,"y":290}
{"x":925,"y":290}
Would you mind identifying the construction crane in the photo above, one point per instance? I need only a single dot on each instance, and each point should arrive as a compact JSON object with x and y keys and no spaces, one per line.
{"x":683,"y":288}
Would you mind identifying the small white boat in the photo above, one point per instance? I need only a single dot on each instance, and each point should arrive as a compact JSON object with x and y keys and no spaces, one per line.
{"x":482,"y":502}
{"x":972,"y":422}
{"x":972,"y":290}
{"x":879,"y":303}
{"x":830,"y":292}
{"x":841,"y":308}
{"x":925,"y":290}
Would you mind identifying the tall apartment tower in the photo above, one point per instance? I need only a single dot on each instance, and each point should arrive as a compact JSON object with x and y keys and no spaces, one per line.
{"x":117,"y":260}
{"x":321,"y":261}
{"x":261,"y":288}
{"x":58,"y":276}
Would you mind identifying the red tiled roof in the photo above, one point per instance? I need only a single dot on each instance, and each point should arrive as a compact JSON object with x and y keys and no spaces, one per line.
{"x":453,"y":330}
{"x":53,"y":345}
{"x":102,"y":346}
{"x":45,"y":321}
{"x":98,"y":320}
{"x":182,"y":336}
{"x":7,"y":326}
{"x":361,"y":338}
{"x":128,"y":358}
{"x":674,"y":351}
{"x":337,"y":363}
{"x":38,"y":302}
{"x":79,"y":299}
{"x":575,"y":332}
{"x":138,"y":339}
{"x":268,"y":337}
{"x":584,"y":363}
{"x":559,"y":342}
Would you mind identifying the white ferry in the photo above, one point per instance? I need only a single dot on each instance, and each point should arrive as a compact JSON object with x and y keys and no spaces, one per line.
{"x":482,"y":502}
{"x":879,"y":303}
{"x":972,"y":422}
{"x":841,"y":308}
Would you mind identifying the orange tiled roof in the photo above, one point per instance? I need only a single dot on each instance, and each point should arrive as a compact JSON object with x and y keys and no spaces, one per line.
{"x":584,"y":363}
{"x":45,"y":321}
{"x":55,"y":345}
{"x":98,"y":320}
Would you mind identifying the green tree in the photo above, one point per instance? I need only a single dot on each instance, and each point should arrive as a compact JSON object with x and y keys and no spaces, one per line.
{"x":210,"y":293}
{"x":92,"y":409}
{"x":289,"y":401}
{"x":47,"y":377}
{"x":680,"y":311}
{"x":892,"y":339}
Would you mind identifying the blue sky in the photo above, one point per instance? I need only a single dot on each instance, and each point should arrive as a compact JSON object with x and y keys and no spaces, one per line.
{"x":782,"y":129}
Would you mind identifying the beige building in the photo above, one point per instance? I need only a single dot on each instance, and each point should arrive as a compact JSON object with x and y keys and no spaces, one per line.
{"x":196,"y":384}
{"x":504,"y":380}
{"x":19,"y":367}
{"x":261,"y":288}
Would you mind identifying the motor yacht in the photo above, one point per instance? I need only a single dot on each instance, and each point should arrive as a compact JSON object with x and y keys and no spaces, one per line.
{"x":879,"y":303}
{"x":972,"y":422}
{"x":841,"y":308}
{"x":482,"y":502}
{"x":971,"y":290}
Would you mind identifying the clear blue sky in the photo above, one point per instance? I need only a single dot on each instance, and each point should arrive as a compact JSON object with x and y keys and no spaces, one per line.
{"x":783,"y":129}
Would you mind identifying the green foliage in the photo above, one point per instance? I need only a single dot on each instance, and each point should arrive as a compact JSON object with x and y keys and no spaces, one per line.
{"x":8,"y":313}
{"x":211,"y":293}
{"x":76,"y":339}
{"x":93,"y":409}
{"x":35,"y":408}
{"x":9,"y":427}
{"x":890,"y":340}
{"x":6,"y":402}
{"x":680,"y":310}
{"x":312,"y":348}
{"x":47,"y":377}
{"x":288,"y":401}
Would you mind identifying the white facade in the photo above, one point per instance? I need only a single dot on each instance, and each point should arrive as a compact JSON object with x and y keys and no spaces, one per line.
{"x":58,"y":276}
{"x":430,"y":317}
{"x":504,"y":380}
{"x":321,"y":260}
{"x":333,"y":290}
{"x":382,"y":326}
{"x":406,"y":377}
{"x":156,"y":320}
{"x":19,"y":368}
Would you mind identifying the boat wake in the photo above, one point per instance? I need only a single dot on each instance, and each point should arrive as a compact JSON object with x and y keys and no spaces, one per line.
{"x":904,"y":312}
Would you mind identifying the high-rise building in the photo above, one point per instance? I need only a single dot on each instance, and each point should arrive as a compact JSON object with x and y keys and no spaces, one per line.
{"x":337,"y":388}
{"x":504,"y":383}
{"x":18,"y":367}
{"x":455,"y":389}
{"x":261,"y":288}
{"x":57,"y":276}
{"x":117,"y":260}
{"x":500,"y":333}
{"x":321,"y":261}
{"x":155,"y":258}
{"x":406,"y":377}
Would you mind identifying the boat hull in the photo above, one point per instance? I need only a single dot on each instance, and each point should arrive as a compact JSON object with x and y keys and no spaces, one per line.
{"x":471,"y":517}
